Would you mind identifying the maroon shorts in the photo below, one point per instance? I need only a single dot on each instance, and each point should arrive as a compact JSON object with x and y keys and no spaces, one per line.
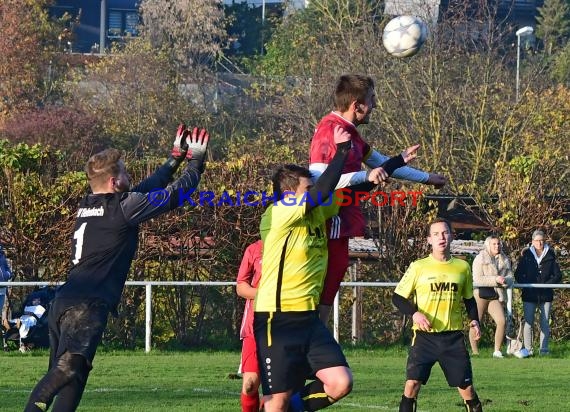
{"x":337,"y":266}
{"x":249,"y":355}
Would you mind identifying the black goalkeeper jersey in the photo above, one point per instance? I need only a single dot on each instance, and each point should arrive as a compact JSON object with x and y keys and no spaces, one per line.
{"x":105,"y":236}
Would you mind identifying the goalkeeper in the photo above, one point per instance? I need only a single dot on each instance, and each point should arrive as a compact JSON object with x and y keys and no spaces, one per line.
{"x":105,"y":240}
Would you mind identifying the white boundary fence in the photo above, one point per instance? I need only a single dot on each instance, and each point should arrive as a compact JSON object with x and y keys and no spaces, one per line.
{"x":149,"y":284}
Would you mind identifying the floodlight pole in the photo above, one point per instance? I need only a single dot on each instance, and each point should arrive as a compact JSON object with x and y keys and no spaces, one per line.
{"x":525,"y":31}
{"x":262,"y":26}
{"x":103,"y":26}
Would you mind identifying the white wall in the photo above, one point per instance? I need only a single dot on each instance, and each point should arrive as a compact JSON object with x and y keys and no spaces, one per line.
{"x":428,"y":10}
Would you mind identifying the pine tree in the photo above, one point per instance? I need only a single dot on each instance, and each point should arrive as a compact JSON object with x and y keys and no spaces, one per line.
{"x":553,"y":23}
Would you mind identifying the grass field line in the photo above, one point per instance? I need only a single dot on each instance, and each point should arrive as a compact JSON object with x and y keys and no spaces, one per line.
{"x":138,"y":390}
{"x":361,"y":406}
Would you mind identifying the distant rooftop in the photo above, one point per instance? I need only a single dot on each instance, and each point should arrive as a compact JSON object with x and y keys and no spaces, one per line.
{"x":360,"y":247}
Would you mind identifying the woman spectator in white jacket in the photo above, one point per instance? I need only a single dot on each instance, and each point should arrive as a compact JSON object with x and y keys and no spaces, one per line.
{"x":491,"y":275}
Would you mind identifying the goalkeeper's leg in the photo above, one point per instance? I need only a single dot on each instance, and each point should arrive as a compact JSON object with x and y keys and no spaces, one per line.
{"x":69,"y":370}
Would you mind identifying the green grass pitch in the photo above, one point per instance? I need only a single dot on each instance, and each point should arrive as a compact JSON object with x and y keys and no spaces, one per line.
{"x":126,"y":381}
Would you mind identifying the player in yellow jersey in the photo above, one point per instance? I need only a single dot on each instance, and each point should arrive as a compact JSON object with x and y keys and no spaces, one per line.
{"x":439,"y":286}
{"x":292,"y":342}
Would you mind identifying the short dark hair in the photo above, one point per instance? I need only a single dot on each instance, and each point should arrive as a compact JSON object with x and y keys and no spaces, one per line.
{"x":351,"y":87}
{"x":438,"y":220}
{"x":103,"y":165}
{"x":287,"y":178}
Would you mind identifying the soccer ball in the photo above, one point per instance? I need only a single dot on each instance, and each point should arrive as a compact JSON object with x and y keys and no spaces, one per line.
{"x":403,"y":36}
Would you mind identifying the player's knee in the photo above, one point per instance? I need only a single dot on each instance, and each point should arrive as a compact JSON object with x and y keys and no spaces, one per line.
{"x":73,"y":366}
{"x":412,"y":388}
{"x":340,"y":386}
{"x":250,"y":386}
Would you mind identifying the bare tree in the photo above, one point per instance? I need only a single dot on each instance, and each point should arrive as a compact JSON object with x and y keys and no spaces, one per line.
{"x":193,"y":30}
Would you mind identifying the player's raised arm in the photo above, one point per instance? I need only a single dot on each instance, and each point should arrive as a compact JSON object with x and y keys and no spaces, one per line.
{"x":163,"y":175}
{"x":376,"y":159}
{"x":326,"y":183}
{"x":142,"y":206}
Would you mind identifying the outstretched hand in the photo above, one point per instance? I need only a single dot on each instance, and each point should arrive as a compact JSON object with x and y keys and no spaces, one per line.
{"x":197,"y":144}
{"x":436,"y":180}
{"x":340,"y":135}
{"x":410,"y":153}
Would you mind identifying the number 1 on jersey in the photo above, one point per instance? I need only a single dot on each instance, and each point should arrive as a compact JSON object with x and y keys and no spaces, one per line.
{"x":78,"y":234}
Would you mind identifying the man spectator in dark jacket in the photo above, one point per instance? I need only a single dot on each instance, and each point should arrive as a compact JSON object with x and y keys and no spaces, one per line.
{"x":537,"y":264}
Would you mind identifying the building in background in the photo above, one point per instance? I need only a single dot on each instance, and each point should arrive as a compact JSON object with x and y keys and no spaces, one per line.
{"x":298,"y":4}
{"x":520,"y":12}
{"x":100,"y":22}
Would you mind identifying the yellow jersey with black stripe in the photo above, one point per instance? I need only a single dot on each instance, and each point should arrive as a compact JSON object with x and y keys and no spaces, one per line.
{"x":438,"y":289}
{"x":294,"y":256}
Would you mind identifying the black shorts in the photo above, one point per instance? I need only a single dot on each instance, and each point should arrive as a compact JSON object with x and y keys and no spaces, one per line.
{"x":76,"y":326}
{"x":291,"y":346}
{"x":446,"y":348}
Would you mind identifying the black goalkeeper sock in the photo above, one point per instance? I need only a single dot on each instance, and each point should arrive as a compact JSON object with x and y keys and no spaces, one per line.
{"x":314,"y":396}
{"x":407,"y":404}
{"x":474,"y":405}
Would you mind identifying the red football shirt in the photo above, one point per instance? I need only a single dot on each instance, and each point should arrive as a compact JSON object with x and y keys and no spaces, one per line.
{"x":323,"y":149}
{"x":250,"y":272}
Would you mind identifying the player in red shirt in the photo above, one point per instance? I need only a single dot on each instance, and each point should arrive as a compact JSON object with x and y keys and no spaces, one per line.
{"x":354,"y":101}
{"x":247,"y":281}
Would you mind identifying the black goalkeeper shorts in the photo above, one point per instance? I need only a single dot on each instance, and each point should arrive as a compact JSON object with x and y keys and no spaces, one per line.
{"x":446,"y":348}
{"x":76,"y":326}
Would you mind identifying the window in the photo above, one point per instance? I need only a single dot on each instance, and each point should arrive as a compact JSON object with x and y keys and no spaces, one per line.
{"x":122,"y":23}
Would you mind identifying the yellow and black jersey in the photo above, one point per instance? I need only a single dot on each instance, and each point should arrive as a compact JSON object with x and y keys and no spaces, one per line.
{"x":294,"y":257}
{"x":438,"y":289}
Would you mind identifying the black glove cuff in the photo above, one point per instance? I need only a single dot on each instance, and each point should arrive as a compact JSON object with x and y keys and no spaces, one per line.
{"x":173,"y":162}
{"x":393,"y":163}
{"x":198,"y":164}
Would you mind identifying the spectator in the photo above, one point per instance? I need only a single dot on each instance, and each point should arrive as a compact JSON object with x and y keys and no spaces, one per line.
{"x":492,"y":274}
{"x":5,"y":276}
{"x":537,"y":264}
